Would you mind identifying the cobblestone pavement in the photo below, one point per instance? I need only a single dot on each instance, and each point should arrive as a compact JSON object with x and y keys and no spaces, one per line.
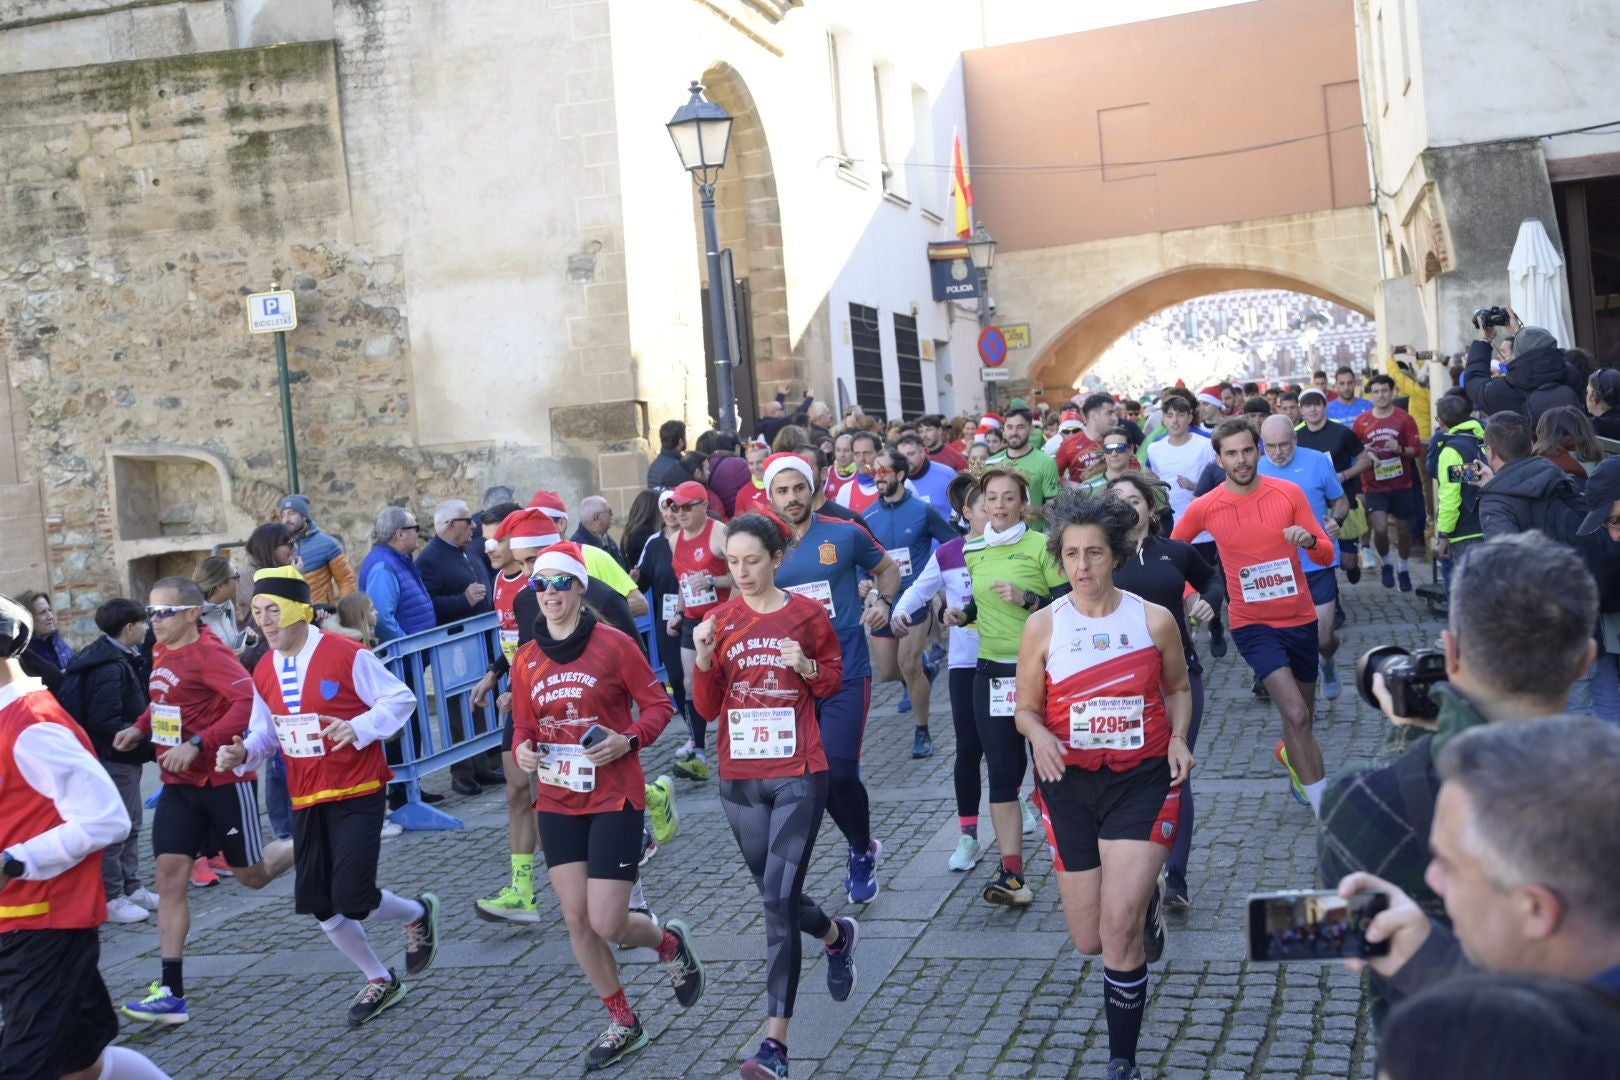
{"x":948,"y":986}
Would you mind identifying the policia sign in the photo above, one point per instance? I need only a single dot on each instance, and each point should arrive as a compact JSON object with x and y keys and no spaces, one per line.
{"x":952,"y":271}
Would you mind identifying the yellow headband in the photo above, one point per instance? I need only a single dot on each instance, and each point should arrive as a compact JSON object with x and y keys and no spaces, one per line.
{"x":288,"y":590}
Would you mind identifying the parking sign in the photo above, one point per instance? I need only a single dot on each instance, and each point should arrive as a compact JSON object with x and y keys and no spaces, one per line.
{"x":269,"y":312}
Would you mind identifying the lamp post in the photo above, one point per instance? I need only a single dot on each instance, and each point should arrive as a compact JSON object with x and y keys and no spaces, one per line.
{"x":982,"y":253}
{"x":701,"y":131}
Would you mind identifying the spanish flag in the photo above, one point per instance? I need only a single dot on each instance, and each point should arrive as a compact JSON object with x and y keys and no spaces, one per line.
{"x":961,"y":188}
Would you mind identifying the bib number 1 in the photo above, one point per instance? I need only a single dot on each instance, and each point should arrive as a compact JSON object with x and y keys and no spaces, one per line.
{"x":300,"y":735}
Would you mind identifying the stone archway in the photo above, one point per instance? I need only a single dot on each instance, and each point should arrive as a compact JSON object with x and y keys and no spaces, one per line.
{"x":750,"y":224}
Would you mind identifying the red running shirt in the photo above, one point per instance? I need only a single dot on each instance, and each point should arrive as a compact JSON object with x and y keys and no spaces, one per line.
{"x":1265,"y":581}
{"x":214,"y":694}
{"x":749,"y":688}
{"x":1386,"y":437}
{"x":1104,"y":700}
{"x":506,"y":590}
{"x":693,"y":556}
{"x":1076,"y":455}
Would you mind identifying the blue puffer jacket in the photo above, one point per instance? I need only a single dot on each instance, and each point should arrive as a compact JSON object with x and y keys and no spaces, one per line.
{"x":411,"y":609}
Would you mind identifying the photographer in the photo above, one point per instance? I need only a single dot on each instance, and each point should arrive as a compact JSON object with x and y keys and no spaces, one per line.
{"x":1519,"y":637}
{"x":1521,"y":491}
{"x":1538,"y":377}
{"x":1456,"y":488}
{"x":1524,"y":857}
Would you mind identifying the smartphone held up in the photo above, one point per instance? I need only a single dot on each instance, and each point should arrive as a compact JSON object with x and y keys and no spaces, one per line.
{"x":1308,"y":925}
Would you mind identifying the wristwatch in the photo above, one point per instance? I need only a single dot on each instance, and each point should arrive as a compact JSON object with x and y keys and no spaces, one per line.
{"x":13,"y":866}
{"x":195,"y":740}
{"x":815,"y":669}
{"x":1030,"y":600}
{"x":635,"y":743}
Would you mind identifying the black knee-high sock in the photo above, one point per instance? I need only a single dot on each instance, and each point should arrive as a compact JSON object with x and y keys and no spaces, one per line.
{"x":1124,"y":995}
{"x":172,"y":977}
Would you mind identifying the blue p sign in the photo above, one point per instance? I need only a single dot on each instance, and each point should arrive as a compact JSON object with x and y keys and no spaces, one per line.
{"x":272,"y":305}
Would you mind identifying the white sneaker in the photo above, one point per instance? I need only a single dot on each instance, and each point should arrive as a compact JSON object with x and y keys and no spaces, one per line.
{"x":145,"y":897}
{"x":390,"y":830}
{"x":125,"y":910}
{"x":686,"y":751}
{"x":1032,"y":820}
{"x":967,"y":854}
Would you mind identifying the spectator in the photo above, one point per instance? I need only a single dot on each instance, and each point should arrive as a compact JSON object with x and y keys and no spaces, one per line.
{"x":666,"y":470}
{"x":728,"y":472}
{"x":641,"y":523}
{"x":218,"y":579}
{"x":821,"y":422}
{"x":455,"y":582}
{"x":1459,"y":445}
{"x":774,"y":416}
{"x":1518,"y":636}
{"x":698,"y":466}
{"x":1603,"y":402}
{"x":1521,"y":491}
{"x":595,"y":521}
{"x":103,"y":690}
{"x":48,"y":652}
{"x":790,"y":440}
{"x":320,"y":557}
{"x":1538,"y":377}
{"x":391,"y":579}
{"x":1523,"y":859}
{"x":1502,"y":1025}
{"x":356,"y":618}
{"x":1564,"y":437}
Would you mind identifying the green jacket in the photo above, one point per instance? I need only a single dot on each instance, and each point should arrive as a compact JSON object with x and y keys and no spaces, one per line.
{"x":1457,"y":511}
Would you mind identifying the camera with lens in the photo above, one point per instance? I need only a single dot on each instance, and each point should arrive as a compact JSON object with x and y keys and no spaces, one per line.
{"x":1491,"y":316}
{"x":1407,"y":676}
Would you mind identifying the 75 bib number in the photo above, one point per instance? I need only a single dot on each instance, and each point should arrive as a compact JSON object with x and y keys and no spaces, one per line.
{"x":762,"y":733}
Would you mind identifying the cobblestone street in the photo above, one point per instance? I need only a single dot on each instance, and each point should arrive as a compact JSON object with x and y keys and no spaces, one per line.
{"x":948,"y":986}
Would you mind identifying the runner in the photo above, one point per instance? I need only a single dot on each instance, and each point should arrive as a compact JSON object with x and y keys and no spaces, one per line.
{"x":822,"y":562}
{"x":700,"y":567}
{"x":1161,"y":573}
{"x":1316,"y":432}
{"x":1038,"y":467}
{"x":753,"y":496}
{"x":1083,"y":449}
{"x":842,"y":470}
{"x":932,"y":430}
{"x":761,"y":658}
{"x":201,"y":698}
{"x":1391,"y":437}
{"x":58,"y":809}
{"x":908,"y":529}
{"x":1258,"y":524}
{"x":336,"y":775}
{"x":862,"y":490}
{"x":929,"y":480}
{"x":1346,"y":406}
{"x":946,"y":574}
{"x":1312,"y":472}
{"x":1013,"y":575}
{"x":1103,"y":698}
{"x":575,"y":683}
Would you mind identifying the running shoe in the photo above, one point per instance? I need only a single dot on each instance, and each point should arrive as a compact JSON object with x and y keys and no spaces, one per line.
{"x":905,"y":700}
{"x":1153,"y":932}
{"x":1217,"y":641}
{"x":693,"y":768}
{"x":390,"y":830}
{"x":218,"y":865}
{"x":157,"y":1007}
{"x":615,"y":1044}
{"x":841,"y":961}
{"x":121,"y":909}
{"x":1120,"y":1069}
{"x":967,"y":854}
{"x":422,"y":936}
{"x":1175,"y":893}
{"x":862,"y":885}
{"x":686,"y":970}
{"x":201,"y":876}
{"x":936,"y":652}
{"x":666,"y":821}
{"x":1352,"y":572}
{"x":1386,"y":575}
{"x":1008,"y":889}
{"x":1405,"y":578}
{"x":769,"y":1063}
{"x":1293,"y":777}
{"x":1258,"y":689}
{"x":374,"y":997}
{"x":649,"y":846}
{"x":687,"y":749}
{"x":1032,"y":820}
{"x":508,"y":905}
{"x":1331,"y":686}
{"x":145,"y":897}
{"x":922,"y":744}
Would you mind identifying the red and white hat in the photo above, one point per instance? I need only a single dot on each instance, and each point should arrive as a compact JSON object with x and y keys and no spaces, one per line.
{"x":776,"y":463}
{"x":528,"y":529}
{"x":690,"y":491}
{"x":551,"y":502}
{"x":1211,"y":395}
{"x":665,"y":497}
{"x":563,"y":558}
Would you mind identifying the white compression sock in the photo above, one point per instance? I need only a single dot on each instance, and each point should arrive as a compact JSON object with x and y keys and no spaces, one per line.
{"x":395,"y":908}
{"x":349,"y":938}
{"x":638,"y":899}
{"x":1314,"y":792}
{"x":122,"y":1063}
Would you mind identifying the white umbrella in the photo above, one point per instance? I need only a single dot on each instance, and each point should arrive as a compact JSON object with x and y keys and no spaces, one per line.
{"x":1537,"y":289}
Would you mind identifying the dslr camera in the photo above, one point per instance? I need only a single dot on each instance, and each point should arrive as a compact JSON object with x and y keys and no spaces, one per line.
{"x":1407,"y":676}
{"x":1491,"y":316}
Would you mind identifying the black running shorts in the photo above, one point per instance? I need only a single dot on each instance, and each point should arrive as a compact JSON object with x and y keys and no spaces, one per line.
{"x":608,"y":843}
{"x":58,"y":1015}
{"x":203,"y":821}
{"x":1088,"y":806}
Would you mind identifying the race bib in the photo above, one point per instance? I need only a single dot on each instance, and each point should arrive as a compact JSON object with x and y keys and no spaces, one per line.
{"x":670,"y":600}
{"x":1268,"y":581}
{"x":509,"y":644}
{"x":300,"y":735}
{"x":902,"y":559}
{"x":1003,"y":696}
{"x":565,"y":765}
{"x":1388,"y":468}
{"x":166,"y":725}
{"x":694,"y":597}
{"x":762,"y":733}
{"x":820,"y":592}
{"x":1106,"y":723}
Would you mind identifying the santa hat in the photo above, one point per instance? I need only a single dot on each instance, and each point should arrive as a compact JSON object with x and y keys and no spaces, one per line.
{"x":987,"y":423}
{"x":1211,"y":395}
{"x":528,"y":529}
{"x":550,"y":502}
{"x":562,"y":558}
{"x":777,"y":462}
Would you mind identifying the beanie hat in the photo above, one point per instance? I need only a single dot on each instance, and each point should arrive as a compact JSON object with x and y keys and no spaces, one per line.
{"x":297,"y":503}
{"x":1532,"y":337}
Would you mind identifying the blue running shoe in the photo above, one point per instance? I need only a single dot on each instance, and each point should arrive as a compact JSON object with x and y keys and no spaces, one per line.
{"x":861,"y":885}
{"x":1386,"y":574}
{"x":1405,"y":579}
{"x":1330,"y":680}
{"x":905,"y":700}
{"x":157,"y":1007}
{"x":770,"y":1063}
{"x":841,"y":961}
{"x":922,"y":744}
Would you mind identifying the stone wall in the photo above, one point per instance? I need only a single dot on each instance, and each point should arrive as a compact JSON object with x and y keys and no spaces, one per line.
{"x":143,"y":201}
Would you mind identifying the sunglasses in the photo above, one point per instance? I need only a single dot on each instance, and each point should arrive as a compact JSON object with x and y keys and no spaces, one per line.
{"x":458,"y":521}
{"x":163,"y":611}
{"x":1115,"y":448}
{"x":690,"y":505}
{"x":410,"y":528}
{"x":558,"y":582}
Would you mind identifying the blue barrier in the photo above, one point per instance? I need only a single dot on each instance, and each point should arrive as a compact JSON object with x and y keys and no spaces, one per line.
{"x":652,"y":641}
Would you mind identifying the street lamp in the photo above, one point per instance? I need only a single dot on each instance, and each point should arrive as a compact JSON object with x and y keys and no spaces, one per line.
{"x":701,"y":131}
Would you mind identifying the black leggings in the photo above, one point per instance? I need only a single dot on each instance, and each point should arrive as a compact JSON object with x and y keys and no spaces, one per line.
{"x":1004,"y":748}
{"x":847,"y":802}
{"x":1214,"y":590}
{"x":775,"y":822}
{"x":969,"y":751}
